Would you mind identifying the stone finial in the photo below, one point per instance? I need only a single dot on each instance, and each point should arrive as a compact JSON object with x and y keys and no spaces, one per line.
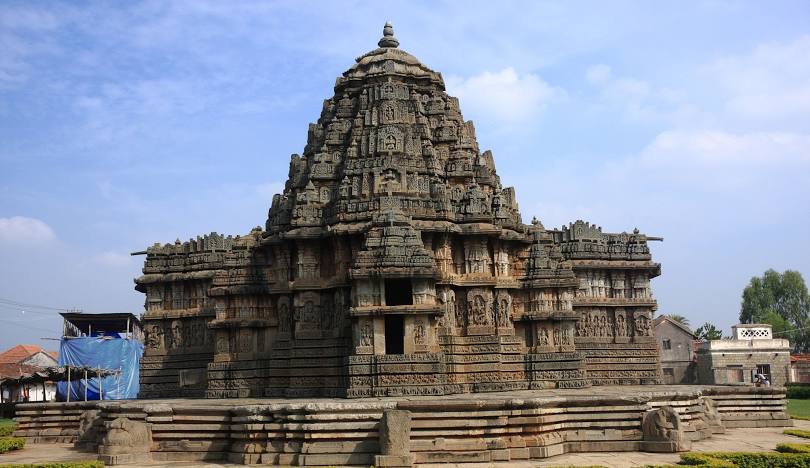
{"x":388,"y":39}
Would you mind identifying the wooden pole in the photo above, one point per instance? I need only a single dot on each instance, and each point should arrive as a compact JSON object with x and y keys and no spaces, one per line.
{"x":85,"y":385}
{"x":100,"y":388}
{"x":68,"y":384}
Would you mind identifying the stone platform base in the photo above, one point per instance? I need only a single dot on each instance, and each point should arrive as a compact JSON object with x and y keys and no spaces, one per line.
{"x":457,"y":428}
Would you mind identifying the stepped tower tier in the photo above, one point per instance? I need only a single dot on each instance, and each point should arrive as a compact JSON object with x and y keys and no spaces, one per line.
{"x":395,"y":262}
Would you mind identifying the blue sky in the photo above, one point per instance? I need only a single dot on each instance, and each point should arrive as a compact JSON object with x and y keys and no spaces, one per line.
{"x":128,"y":123}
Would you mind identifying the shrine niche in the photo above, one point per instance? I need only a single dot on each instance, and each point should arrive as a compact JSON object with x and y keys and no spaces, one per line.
{"x":394,"y":262}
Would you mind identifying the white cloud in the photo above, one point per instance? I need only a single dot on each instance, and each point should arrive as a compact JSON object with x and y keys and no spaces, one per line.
{"x":23,"y":230}
{"x":726,"y":150}
{"x":113,"y":259}
{"x":772,"y":80}
{"x":636,"y":99}
{"x":505,"y":95}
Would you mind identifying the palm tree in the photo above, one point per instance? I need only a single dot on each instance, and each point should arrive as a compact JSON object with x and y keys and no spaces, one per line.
{"x":680,"y":319}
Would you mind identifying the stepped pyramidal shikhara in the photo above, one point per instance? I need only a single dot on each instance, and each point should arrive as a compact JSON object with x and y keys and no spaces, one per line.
{"x":395,"y":263}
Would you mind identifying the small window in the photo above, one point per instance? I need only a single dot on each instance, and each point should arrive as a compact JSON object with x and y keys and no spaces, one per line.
{"x":398,"y":292}
{"x":765,"y":370}
{"x":666,"y":344}
{"x":669,"y":372}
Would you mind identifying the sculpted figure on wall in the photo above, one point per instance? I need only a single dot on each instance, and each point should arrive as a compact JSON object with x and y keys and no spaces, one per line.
{"x":502,"y":262}
{"x":543,"y":337}
{"x":366,"y":334}
{"x":419,"y":332}
{"x":447,"y":299}
{"x":478,"y":260}
{"x":222,"y":342}
{"x":154,"y":336}
{"x":642,"y":325}
{"x":479,"y":315}
{"x":580,"y":327}
{"x":503,"y":309}
{"x":621,"y":324}
{"x":563,"y":336}
{"x":284,"y":318}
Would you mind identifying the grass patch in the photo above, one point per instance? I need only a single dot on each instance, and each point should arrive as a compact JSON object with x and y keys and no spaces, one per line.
{"x":7,"y":427}
{"x":798,"y":433}
{"x":793,"y":448}
{"x":746,"y":460}
{"x":799,"y":409}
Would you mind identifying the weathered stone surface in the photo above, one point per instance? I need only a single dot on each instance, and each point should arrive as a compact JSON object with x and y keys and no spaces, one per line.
{"x":395,"y":432}
{"x":125,"y":442}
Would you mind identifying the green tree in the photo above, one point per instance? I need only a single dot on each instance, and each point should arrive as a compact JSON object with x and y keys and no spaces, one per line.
{"x":707,"y":332}
{"x":680,"y":319}
{"x":782,"y":300}
{"x":781,"y":327}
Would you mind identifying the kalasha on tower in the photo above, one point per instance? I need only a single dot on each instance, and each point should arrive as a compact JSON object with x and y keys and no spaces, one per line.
{"x":395,"y":263}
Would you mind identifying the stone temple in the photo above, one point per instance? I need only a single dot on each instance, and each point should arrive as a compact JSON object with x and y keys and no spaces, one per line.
{"x":396,"y":263}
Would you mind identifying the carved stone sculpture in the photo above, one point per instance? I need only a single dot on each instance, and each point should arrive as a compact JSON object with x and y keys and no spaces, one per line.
{"x":126,"y":442}
{"x":87,"y":437}
{"x":663,"y":431}
{"x":711,"y":416}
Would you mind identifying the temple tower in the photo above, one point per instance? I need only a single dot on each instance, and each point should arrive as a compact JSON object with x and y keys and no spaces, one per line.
{"x":395,"y":262}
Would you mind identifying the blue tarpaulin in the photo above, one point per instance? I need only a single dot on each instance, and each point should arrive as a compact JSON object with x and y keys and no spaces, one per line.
{"x":113,"y":354}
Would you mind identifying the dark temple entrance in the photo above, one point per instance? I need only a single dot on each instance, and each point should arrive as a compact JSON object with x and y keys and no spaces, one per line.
{"x":394,"y":335}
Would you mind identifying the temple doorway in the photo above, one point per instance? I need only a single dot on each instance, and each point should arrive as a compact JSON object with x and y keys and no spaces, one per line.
{"x":394,"y":335}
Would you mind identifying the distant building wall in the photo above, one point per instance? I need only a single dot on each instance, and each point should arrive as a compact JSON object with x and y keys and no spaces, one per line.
{"x":735,"y":361}
{"x":799,"y":369}
{"x":29,"y":392}
{"x":677,"y":355}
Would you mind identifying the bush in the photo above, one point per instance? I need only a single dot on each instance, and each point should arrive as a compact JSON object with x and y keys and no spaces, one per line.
{"x":793,"y":448}
{"x":7,"y":429}
{"x":747,"y":460}
{"x":74,"y":464}
{"x":798,"y":392}
{"x":798,"y":433}
{"x":11,"y":443}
